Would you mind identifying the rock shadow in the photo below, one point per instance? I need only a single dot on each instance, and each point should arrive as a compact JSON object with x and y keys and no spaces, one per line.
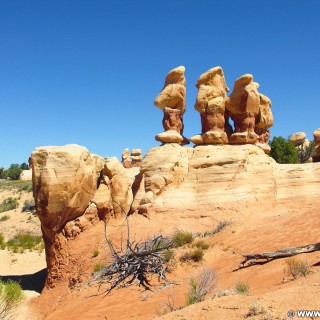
{"x":32,"y":282}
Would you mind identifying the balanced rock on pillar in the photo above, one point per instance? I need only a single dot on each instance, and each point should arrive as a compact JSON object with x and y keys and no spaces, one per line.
{"x":263,"y":121}
{"x":136,"y":157}
{"x":210,"y":103}
{"x":243,"y":108}
{"x":126,"y":159}
{"x":172,"y":101}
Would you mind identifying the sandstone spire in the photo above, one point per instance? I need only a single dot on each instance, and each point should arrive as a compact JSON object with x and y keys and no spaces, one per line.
{"x":172,"y":101}
{"x":210,"y":103}
{"x":243,"y":107}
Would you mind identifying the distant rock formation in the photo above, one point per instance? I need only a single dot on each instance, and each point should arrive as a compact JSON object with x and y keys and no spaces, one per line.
{"x":211,"y":101}
{"x":136,"y":157}
{"x":172,"y":101}
{"x":316,"y":152}
{"x":301,"y":143}
{"x":26,"y":175}
{"x":126,"y":158}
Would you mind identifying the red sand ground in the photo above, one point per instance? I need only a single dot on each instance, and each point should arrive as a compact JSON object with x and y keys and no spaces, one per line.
{"x":252,"y":231}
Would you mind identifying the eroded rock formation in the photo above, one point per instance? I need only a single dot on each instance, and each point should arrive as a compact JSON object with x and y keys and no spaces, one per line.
{"x":263,"y":121}
{"x":316,"y":151}
{"x":74,"y":189}
{"x":126,"y":158}
{"x":243,"y":108}
{"x":172,"y":101}
{"x":136,"y":156}
{"x":211,"y":101}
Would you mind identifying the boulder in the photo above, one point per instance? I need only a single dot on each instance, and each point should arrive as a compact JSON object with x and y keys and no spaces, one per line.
{"x":316,"y":152}
{"x":26,"y":175}
{"x":298,"y":138}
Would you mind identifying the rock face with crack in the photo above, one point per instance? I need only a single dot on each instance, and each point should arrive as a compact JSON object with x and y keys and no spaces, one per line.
{"x":316,"y":151}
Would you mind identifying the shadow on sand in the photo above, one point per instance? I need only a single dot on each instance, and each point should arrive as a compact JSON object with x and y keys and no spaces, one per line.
{"x":33,"y":282}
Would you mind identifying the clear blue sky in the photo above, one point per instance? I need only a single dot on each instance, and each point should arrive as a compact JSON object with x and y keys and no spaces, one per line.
{"x":87,"y":72}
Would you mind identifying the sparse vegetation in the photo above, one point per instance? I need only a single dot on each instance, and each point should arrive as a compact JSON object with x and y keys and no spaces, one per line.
{"x":195,"y":255}
{"x":167,"y":306}
{"x":181,"y":238}
{"x":297,"y":267}
{"x":2,"y":242}
{"x":24,"y":241}
{"x":16,"y":184}
{"x":256,"y":309}
{"x":98,"y":267}
{"x":28,"y":206}
{"x":201,"y":245}
{"x":219,"y":227}
{"x":8,"y":204}
{"x":11,"y":296}
{"x":14,"y":171}
{"x":168,"y":254}
{"x":200,"y":286}
{"x":242,"y":288}
{"x":95,"y":253}
{"x":4,"y":218}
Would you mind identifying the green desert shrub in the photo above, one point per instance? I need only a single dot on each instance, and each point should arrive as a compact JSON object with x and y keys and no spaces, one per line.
{"x":11,"y":296}
{"x":219,"y":227}
{"x":95,"y":253}
{"x":195,"y":255}
{"x":24,"y":186}
{"x":241,"y":288}
{"x":98,"y":267}
{"x":2,"y":242}
{"x":4,"y":218}
{"x":181,"y":238}
{"x":283,"y":150}
{"x":200,"y":286}
{"x":201,"y":245}
{"x":23,"y":241}
{"x":8,"y":204}
{"x":168,"y":254}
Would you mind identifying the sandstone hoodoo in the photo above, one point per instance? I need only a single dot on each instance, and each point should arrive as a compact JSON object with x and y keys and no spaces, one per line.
{"x":211,"y":101}
{"x":126,"y":159}
{"x":172,"y":101}
{"x":136,"y":157}
{"x":316,"y":151}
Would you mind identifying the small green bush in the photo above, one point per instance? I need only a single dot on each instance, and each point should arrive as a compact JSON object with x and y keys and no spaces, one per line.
{"x":255,"y":310}
{"x":95,"y":253}
{"x":181,"y":238}
{"x":98,"y":267}
{"x":23,"y":241}
{"x":201,"y":245}
{"x":8,"y":204}
{"x":200,"y":286}
{"x":11,"y":296}
{"x":25,"y":186}
{"x":196,"y":255}
{"x":4,"y":218}
{"x":168,"y":254}
{"x":241,"y":288}
{"x":2,"y":242}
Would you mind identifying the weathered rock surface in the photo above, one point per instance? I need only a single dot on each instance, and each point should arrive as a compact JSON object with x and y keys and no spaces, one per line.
{"x":172,"y":101}
{"x":180,"y":178}
{"x":316,"y":151}
{"x":64,"y":182}
{"x":126,"y":159}
{"x":243,"y":108}
{"x":298,"y":138}
{"x":136,"y":156}
{"x":211,"y":101}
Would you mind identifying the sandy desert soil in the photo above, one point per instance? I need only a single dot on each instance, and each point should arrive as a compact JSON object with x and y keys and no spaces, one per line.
{"x":28,"y":268}
{"x":253,"y":230}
